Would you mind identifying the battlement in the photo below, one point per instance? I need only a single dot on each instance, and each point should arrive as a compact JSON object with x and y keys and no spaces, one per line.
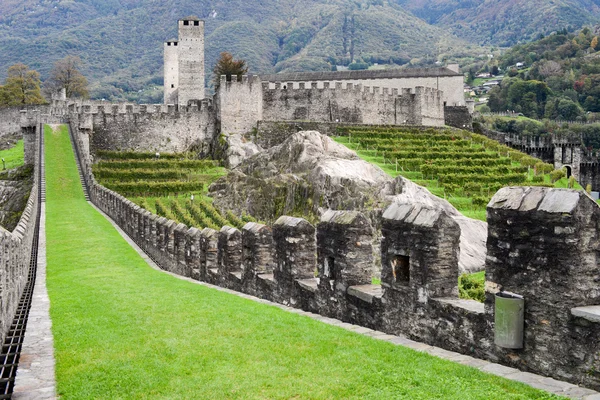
{"x":352,"y":88}
{"x":96,"y":107}
{"x":450,"y":71}
{"x":190,"y":21}
{"x":237,"y":80}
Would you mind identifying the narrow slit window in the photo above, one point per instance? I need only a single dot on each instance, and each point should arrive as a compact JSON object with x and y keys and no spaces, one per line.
{"x":330,"y":268}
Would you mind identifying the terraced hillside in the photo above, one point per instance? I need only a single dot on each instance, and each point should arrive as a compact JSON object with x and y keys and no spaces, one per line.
{"x":172,"y":186}
{"x":460,"y":166}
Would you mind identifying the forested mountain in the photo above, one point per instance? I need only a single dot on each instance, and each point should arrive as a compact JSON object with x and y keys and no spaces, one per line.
{"x":560,"y":77}
{"x":120,"y":41}
{"x":504,"y":22}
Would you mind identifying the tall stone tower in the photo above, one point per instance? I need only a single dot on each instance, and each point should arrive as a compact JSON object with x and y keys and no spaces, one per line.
{"x":190,"y":60}
{"x":171,"y":78}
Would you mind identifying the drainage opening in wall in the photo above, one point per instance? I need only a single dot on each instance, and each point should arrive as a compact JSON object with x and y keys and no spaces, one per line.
{"x":400,"y":268}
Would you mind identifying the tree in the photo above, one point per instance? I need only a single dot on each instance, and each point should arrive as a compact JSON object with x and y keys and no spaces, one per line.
{"x":65,"y":74}
{"x":594,"y":43}
{"x":22,"y":86}
{"x":229,"y":67}
{"x":549,"y":68}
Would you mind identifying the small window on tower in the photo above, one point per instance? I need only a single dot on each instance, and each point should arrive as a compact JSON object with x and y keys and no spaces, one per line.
{"x":196,"y":23}
{"x":172,"y":86}
{"x":186,"y":23}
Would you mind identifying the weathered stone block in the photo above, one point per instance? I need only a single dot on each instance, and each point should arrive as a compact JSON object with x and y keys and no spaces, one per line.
{"x":295,"y":250}
{"x":229,"y":257}
{"x":208,"y":254}
{"x":179,"y":243}
{"x":192,"y":253}
{"x":419,"y":252}
{"x":543,"y":244}
{"x":344,"y":249}
{"x":257,"y":254}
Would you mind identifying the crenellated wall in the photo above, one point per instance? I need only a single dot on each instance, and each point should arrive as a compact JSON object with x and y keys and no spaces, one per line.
{"x":241,"y":104}
{"x":542,"y":245}
{"x":142,"y":127}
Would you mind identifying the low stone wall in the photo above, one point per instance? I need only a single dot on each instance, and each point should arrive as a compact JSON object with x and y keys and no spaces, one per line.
{"x":10,"y":117}
{"x":458,"y":117}
{"x":16,"y":246}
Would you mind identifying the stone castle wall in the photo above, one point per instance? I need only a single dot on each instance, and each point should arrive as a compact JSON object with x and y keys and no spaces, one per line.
{"x":239,"y":105}
{"x":419,"y":271}
{"x":10,"y":117}
{"x":242,"y":104}
{"x":450,"y":83}
{"x":146,"y":127}
{"x":16,"y":246}
{"x":171,"y":72}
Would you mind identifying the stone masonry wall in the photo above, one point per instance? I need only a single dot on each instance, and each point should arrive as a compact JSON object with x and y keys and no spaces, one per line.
{"x":450,"y":86}
{"x":543,"y":245}
{"x":242,"y":104}
{"x":239,"y":104}
{"x":146,"y":127}
{"x":15,"y":246}
{"x":353,"y":104}
{"x":10,"y":117}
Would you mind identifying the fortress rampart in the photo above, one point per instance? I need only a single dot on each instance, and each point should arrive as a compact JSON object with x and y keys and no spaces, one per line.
{"x":542,"y":245}
{"x":142,"y":127}
{"x":243,"y":103}
{"x":448,"y":80}
{"x":16,"y":246}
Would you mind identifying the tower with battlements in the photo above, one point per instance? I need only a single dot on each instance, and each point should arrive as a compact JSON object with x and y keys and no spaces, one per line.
{"x":171,"y":77}
{"x":184,"y":63}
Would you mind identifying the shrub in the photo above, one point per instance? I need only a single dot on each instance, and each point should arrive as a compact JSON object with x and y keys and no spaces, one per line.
{"x":471,"y":286}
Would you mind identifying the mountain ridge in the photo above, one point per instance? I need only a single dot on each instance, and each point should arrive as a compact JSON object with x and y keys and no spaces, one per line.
{"x":120,"y":41}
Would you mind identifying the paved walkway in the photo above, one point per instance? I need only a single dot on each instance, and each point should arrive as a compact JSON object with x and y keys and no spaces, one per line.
{"x":537,"y":381}
{"x":35,"y":375}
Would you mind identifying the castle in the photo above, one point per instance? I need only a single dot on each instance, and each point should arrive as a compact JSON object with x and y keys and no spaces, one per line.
{"x":391,"y":97}
{"x":542,"y":243}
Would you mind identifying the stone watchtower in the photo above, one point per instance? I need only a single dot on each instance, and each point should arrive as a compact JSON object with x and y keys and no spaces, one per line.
{"x":184,"y":63}
{"x":171,"y":79}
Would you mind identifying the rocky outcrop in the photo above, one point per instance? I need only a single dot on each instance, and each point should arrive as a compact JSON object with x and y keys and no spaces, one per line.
{"x":309,"y":172}
{"x":239,"y":149}
{"x":15,"y":186}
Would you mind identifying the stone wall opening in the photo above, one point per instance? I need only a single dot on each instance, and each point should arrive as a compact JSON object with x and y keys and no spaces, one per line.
{"x":569,"y":171}
{"x":329,"y":271}
{"x":400,"y":268}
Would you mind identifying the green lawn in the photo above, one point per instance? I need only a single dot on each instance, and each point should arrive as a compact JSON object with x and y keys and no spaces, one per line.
{"x":13,"y":157}
{"x":123,"y":330}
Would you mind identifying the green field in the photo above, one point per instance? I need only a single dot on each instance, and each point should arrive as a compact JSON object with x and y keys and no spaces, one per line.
{"x":465,"y":168}
{"x":123,"y":330}
{"x":13,"y":157}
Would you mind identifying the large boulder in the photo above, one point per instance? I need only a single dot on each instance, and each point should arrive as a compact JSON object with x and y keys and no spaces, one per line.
{"x":310,"y":172}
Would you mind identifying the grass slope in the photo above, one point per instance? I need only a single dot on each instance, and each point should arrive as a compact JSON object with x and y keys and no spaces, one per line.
{"x":13,"y":157}
{"x":124,"y":330}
